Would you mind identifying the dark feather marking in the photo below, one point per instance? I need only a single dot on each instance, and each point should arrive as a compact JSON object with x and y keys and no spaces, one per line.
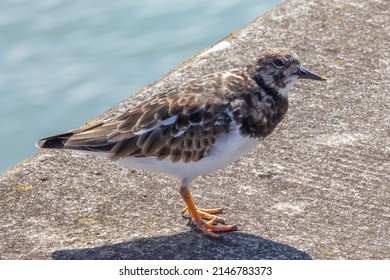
{"x":175,"y":142}
{"x":142,"y":138}
{"x":125,"y":148}
{"x":162,"y":114}
{"x":175,"y":155}
{"x":147,"y":120}
{"x":163,"y":153}
{"x":182,"y":122}
{"x":196,"y":143}
{"x":186,"y":156}
{"x":195,"y":117}
{"x":190,"y":110}
{"x":187,"y":144}
{"x":153,"y":143}
{"x":165,"y":131}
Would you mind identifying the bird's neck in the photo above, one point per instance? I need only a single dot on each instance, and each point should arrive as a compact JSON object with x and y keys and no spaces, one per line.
{"x":264,"y":85}
{"x":262,"y":110}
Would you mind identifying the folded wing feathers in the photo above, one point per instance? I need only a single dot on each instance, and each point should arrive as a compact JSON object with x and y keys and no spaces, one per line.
{"x":177,"y":124}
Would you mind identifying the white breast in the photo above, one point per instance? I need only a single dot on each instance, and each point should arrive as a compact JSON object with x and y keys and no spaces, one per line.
{"x":226,"y":149}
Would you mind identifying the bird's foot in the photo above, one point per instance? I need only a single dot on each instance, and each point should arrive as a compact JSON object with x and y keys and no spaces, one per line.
{"x":211,"y":223}
{"x":207,"y":214}
{"x":200,"y":216}
{"x":209,"y":229}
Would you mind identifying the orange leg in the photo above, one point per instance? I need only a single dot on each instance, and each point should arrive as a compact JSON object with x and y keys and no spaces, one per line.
{"x":197,"y":215}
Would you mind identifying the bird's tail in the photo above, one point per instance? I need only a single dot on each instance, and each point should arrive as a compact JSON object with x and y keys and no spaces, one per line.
{"x":92,"y":138}
{"x":54,"y":142}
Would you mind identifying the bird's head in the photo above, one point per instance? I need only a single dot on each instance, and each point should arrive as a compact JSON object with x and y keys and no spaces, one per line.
{"x":278,"y":70}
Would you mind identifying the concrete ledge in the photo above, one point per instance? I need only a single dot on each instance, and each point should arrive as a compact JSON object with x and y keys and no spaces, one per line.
{"x":318,"y":187}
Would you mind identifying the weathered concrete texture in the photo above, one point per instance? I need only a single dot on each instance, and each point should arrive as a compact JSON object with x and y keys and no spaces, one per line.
{"x":317,"y":188}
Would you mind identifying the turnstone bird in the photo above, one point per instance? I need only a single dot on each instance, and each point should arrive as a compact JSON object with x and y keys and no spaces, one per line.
{"x":197,"y":127}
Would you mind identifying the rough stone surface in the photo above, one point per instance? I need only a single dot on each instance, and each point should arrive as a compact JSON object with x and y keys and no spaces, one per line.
{"x":317,"y":188}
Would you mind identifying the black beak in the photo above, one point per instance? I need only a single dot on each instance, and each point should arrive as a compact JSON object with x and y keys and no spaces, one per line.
{"x":306,"y":74}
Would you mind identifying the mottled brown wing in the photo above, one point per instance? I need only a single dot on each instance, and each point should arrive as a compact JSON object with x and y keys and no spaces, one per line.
{"x":182,"y":124}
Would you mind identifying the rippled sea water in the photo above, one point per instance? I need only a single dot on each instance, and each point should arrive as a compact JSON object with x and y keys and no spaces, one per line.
{"x":63,"y":62}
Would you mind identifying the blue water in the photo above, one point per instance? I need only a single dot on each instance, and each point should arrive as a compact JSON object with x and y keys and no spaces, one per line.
{"x":64,"y":62}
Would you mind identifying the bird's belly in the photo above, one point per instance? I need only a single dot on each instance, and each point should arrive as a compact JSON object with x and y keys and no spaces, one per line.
{"x":226,"y":149}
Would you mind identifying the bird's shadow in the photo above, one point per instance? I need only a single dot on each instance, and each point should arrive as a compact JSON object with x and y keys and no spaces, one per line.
{"x":189,"y":246}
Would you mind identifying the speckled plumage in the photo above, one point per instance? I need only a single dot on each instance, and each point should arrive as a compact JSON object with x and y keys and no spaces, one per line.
{"x":199,"y":126}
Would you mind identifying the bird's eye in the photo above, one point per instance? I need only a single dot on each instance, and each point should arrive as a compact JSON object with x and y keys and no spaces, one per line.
{"x":278,"y":62}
